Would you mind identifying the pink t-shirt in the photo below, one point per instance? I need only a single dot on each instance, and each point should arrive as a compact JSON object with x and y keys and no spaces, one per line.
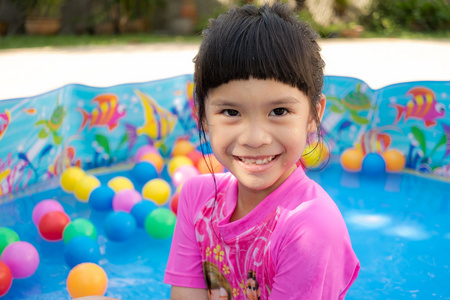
{"x":293,"y":245}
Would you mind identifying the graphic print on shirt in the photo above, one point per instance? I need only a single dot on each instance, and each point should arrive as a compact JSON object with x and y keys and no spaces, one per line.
{"x":217,"y":285}
{"x":235,"y":258}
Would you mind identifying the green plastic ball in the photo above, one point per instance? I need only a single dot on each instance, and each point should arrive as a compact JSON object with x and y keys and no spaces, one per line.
{"x":7,"y":237}
{"x":160,"y":223}
{"x":79,"y":227}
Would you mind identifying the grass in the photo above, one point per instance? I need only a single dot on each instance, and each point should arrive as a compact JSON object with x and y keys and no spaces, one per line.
{"x":24,"y":41}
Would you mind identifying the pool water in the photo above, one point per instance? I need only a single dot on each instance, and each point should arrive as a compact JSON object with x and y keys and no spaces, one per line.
{"x":399,"y":225}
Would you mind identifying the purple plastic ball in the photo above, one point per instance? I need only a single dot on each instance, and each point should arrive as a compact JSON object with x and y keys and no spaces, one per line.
{"x":22,"y":259}
{"x":44,"y":207}
{"x":125,"y":200}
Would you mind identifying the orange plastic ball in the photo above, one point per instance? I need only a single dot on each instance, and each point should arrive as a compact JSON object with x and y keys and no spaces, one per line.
{"x":209,"y":161}
{"x":87,"y":279}
{"x":154,"y":158}
{"x":351,"y":160}
{"x":395,"y":160}
{"x":182,"y":147}
{"x":195,"y":156}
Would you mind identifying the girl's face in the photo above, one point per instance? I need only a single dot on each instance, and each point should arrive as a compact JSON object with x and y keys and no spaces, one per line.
{"x":258,"y":130}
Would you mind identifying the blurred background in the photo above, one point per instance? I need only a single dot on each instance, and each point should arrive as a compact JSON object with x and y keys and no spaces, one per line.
{"x":36,"y":23}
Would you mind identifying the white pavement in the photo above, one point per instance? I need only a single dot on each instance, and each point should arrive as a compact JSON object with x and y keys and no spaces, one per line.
{"x":379,"y":62}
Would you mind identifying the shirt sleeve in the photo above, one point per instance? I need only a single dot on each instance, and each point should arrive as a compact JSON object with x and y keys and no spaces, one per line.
{"x":314,"y":259}
{"x":184,"y":267}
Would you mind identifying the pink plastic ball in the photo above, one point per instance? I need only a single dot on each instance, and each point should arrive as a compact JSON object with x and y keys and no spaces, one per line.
{"x":144,"y":150}
{"x":182,"y":174}
{"x":22,"y":259}
{"x":125,"y":200}
{"x":44,"y":207}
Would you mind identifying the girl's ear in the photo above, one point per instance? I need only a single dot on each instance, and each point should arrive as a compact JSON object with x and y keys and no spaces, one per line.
{"x":320,"y":107}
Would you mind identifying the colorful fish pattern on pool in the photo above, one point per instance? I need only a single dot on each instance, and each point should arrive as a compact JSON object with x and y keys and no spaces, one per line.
{"x":107,"y":113}
{"x":159,"y":122}
{"x":5,"y":119}
{"x":423,"y":106}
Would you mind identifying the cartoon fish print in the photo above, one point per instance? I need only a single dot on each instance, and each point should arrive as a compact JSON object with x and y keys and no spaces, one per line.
{"x":159,"y":122}
{"x":374,"y":141}
{"x":423,"y":106}
{"x":53,"y":125}
{"x":107,"y":113}
{"x":29,"y":110}
{"x":5,"y":118}
{"x":63,"y":161}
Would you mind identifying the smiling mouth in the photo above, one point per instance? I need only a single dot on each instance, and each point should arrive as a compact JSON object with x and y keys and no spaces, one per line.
{"x":257,"y":161}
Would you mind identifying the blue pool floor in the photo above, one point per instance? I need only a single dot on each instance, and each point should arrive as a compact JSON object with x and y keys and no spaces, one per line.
{"x":399,"y":225}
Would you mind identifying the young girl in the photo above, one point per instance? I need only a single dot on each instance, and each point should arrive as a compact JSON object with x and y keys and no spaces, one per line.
{"x":258,"y":81}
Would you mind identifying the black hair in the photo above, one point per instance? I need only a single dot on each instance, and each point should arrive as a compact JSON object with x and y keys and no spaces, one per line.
{"x":267,"y":42}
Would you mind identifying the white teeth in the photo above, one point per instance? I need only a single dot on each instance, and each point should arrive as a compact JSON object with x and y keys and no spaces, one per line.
{"x":251,"y":161}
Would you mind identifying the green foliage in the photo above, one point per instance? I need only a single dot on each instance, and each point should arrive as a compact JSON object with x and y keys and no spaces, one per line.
{"x":389,"y":16}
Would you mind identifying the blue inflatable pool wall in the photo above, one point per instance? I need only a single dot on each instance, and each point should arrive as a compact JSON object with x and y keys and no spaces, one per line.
{"x":93,"y":127}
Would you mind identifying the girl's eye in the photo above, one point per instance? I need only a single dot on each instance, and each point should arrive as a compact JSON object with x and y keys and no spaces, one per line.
{"x":230,"y":112}
{"x":280,"y":111}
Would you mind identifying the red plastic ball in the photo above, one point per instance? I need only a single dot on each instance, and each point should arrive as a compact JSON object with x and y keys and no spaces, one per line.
{"x":174,"y":203}
{"x":52,"y":225}
{"x":5,"y":279}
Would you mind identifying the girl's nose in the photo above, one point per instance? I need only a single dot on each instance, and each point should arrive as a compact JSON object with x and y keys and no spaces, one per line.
{"x":255,"y":135}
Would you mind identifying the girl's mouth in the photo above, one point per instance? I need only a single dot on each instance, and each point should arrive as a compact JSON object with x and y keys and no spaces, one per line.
{"x":257,"y":160}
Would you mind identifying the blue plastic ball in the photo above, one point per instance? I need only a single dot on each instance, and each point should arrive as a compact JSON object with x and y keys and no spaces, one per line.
{"x":141,"y":210}
{"x":373,"y":164}
{"x":143,"y":172}
{"x":101,"y":198}
{"x":119,"y":226}
{"x":81,"y":249}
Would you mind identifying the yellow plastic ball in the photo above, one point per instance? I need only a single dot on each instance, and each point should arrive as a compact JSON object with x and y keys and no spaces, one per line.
{"x":182,"y":147}
{"x":154,"y":158}
{"x":87,"y":279}
{"x":351,"y":160}
{"x":70,"y":177}
{"x":120,"y":183}
{"x":314,"y":155}
{"x":395,"y":160}
{"x":157,"y":190}
{"x":178,"y":161}
{"x":85,"y":186}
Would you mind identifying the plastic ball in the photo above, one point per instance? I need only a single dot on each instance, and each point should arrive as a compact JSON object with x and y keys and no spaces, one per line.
{"x":101,"y":198}
{"x":125,"y":200}
{"x":70,"y":177}
{"x":79,"y":227}
{"x":195,"y":156}
{"x":182,"y":147}
{"x":44,"y":207}
{"x":154,"y":158}
{"x":144,"y":150}
{"x":182,"y":174}
{"x":119,"y":226}
{"x":81,"y":249}
{"x":143,"y":172}
{"x":22,"y":259}
{"x":6,"y":279}
{"x":373,"y":164}
{"x":395,"y":160}
{"x":351,"y":160}
{"x":87,"y":279}
{"x":174,"y":203}
{"x":141,"y":210}
{"x":178,"y":161}
{"x":160,"y":223}
{"x":85,"y":186}
{"x":120,"y":183}
{"x":7,"y":237}
{"x":314,"y":155}
{"x":157,"y":190}
{"x":52,"y":224}
{"x":209,"y":162}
